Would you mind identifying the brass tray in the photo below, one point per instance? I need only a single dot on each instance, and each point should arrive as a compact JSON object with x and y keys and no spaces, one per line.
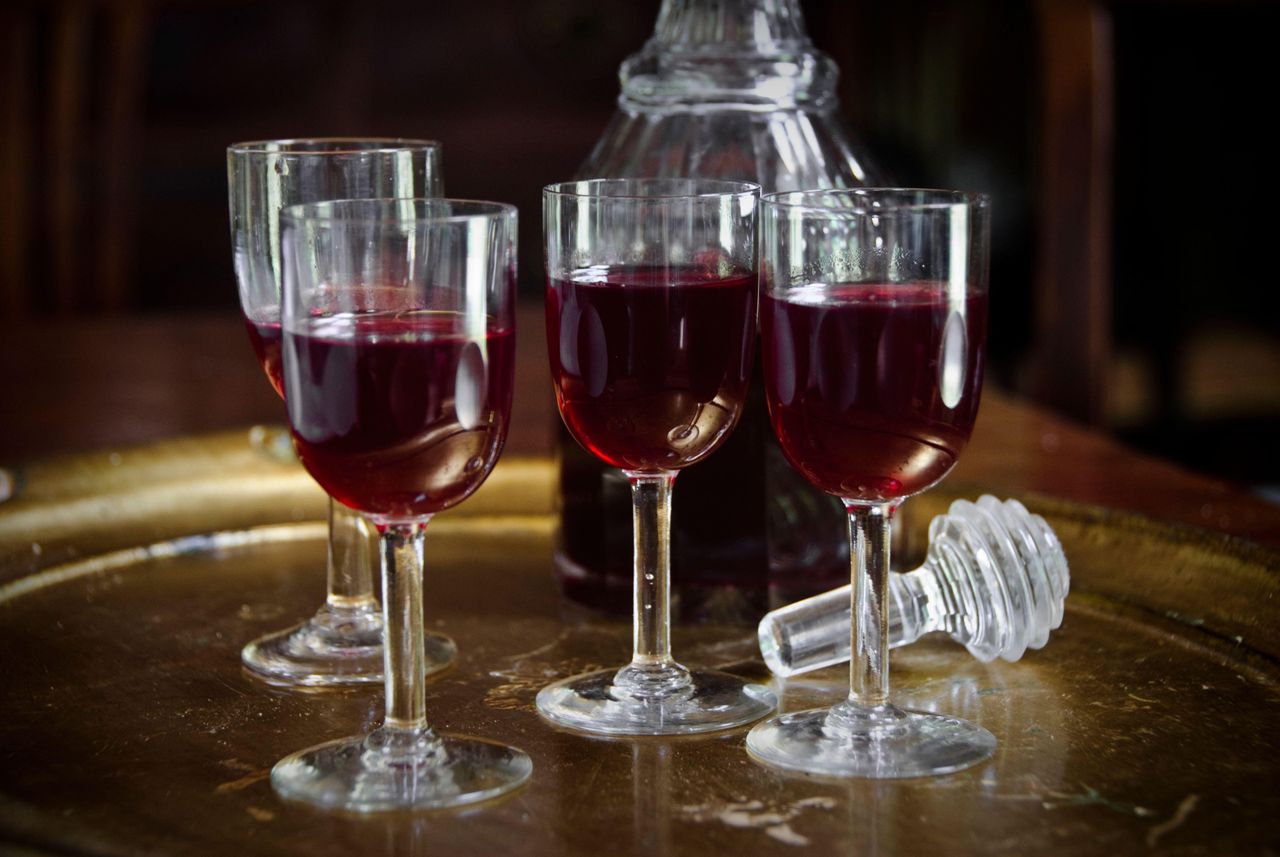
{"x":128,"y":583}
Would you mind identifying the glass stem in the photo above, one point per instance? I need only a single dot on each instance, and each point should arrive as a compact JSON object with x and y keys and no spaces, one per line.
{"x":350,"y":566}
{"x":869,"y":644}
{"x":651,"y":604}
{"x":403,"y":656}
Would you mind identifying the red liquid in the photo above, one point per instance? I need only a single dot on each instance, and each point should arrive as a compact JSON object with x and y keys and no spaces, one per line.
{"x":873,"y":389}
{"x":265,"y":337}
{"x":650,"y":364}
{"x":399,"y":416}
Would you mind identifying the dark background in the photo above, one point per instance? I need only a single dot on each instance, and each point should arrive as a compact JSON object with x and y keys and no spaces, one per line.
{"x":116,"y":115}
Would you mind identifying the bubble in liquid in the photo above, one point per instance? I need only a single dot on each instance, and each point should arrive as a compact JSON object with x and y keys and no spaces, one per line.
{"x":683,"y":435}
{"x":473,"y":464}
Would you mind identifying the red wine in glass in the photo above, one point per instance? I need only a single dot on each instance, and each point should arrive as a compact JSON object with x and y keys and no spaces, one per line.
{"x":873,"y":388}
{"x":400,"y":415}
{"x":651,"y":364}
{"x":399,"y":396}
{"x":341,"y":643}
{"x":651,"y":298}
{"x":266,"y":339}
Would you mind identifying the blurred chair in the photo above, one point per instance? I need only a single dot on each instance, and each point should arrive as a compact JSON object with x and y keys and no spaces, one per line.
{"x":69,"y":153}
{"x":1071,"y":345}
{"x":1013,"y":98}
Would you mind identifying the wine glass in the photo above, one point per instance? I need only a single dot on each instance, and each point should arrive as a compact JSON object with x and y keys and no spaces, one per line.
{"x":873,"y":328}
{"x":342,"y":643}
{"x":399,"y":362}
{"x":651,"y":295}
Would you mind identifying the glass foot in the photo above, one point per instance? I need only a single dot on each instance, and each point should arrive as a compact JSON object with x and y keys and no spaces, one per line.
{"x":707,"y":701}
{"x":335,"y":648}
{"x":360,"y":774}
{"x":877,"y":743}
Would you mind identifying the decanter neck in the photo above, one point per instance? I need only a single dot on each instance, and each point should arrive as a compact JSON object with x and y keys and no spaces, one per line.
{"x":760,"y":26}
{"x":729,"y":54}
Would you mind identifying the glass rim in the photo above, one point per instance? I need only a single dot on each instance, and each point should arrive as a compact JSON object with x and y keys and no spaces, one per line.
{"x":937,"y":199}
{"x":727,"y":187}
{"x":313,"y":212}
{"x":341,"y":146}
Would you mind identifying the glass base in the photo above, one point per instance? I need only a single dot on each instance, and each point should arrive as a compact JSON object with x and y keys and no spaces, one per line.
{"x":359,"y":774}
{"x":707,"y":701}
{"x":334,"y":648}
{"x":885,"y":742}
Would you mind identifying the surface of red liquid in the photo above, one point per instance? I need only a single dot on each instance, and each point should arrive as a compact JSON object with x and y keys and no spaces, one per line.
{"x":266,"y":338}
{"x":873,"y":389}
{"x":399,"y":415}
{"x":650,"y":364}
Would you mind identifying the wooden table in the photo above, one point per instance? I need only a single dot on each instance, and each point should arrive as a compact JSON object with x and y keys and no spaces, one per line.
{"x":131,"y":573}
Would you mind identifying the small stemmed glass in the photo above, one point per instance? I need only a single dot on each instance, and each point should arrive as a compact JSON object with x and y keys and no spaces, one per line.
{"x":873,"y":328}
{"x":651,"y":295}
{"x":342,"y":643}
{"x":399,"y":363}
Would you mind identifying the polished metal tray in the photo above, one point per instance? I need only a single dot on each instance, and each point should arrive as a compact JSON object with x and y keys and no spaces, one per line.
{"x":129,"y":581}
